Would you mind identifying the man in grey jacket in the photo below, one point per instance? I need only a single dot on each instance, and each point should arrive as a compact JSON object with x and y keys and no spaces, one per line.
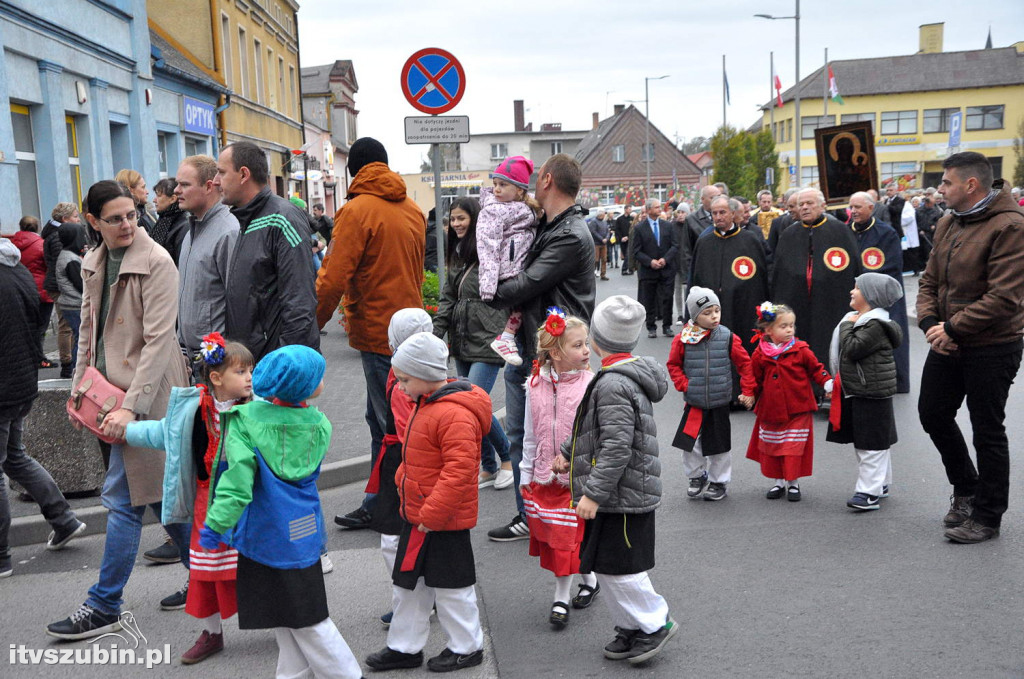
{"x":205,"y":253}
{"x":601,"y":232}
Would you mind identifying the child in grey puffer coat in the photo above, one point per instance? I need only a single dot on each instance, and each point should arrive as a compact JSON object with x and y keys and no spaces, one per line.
{"x":613,"y":462}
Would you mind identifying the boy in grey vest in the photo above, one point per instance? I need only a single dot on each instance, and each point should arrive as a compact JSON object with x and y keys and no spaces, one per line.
{"x":701,"y":361}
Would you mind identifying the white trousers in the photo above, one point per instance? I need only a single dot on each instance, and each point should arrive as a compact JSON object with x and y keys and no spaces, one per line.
{"x":456,"y":611}
{"x":632,"y":602}
{"x":680,"y":295}
{"x":874,"y":470}
{"x":389,"y":550}
{"x":719,"y":467}
{"x":316,"y":651}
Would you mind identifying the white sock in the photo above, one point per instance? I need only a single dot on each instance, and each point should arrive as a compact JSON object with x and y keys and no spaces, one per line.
{"x":795,"y":483}
{"x":562,"y":586}
{"x":507,"y":336}
{"x":781,"y":483}
{"x":212,"y":624}
{"x":589,"y":579}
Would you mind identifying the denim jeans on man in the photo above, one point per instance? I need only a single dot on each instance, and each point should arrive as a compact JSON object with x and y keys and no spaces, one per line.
{"x":73,"y":317}
{"x":484,"y":375}
{"x":124,"y":529}
{"x":515,"y":414}
{"x":983,"y":375}
{"x":36,"y":481}
{"x":375,"y":371}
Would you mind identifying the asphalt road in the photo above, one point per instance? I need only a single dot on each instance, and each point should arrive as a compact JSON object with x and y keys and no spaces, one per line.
{"x":761,"y":588}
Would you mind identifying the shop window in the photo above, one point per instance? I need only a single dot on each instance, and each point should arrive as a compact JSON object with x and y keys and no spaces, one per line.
{"x":25,"y":153}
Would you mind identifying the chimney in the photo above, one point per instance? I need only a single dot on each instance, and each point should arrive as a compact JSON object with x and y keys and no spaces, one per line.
{"x":597,"y":119}
{"x":619,"y":108}
{"x":930,"y":38}
{"x":520,"y":115}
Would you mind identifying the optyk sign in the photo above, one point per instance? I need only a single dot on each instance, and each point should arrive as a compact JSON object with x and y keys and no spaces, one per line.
{"x":199,"y":117}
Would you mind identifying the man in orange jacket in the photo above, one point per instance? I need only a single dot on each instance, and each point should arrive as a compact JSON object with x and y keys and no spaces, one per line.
{"x":374,"y":266}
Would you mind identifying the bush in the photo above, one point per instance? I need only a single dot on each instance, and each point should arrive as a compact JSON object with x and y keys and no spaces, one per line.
{"x":431,"y":292}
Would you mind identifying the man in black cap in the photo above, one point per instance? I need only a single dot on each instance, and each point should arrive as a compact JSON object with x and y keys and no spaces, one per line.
{"x":377,"y":270}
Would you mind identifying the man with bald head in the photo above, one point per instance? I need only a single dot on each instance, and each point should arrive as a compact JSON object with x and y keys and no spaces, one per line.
{"x":816,"y":262}
{"x":880,"y":251}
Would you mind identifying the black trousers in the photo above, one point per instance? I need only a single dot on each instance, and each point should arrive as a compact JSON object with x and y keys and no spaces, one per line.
{"x":983,"y":376}
{"x":656,"y":296}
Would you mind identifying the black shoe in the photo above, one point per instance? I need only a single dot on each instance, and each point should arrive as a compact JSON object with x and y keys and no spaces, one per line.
{"x":621,"y":645}
{"x":388,"y":659}
{"x":667,"y":332}
{"x":355,"y":520}
{"x":793,"y":494}
{"x":586,"y":596}
{"x":775,"y":492}
{"x":559,"y":617}
{"x":517,"y":529}
{"x":449,"y":661}
{"x":652,"y":334}
{"x":970,"y":532}
{"x":646,"y":646}
{"x":627,"y":273}
{"x":176,"y":601}
{"x":6,"y":569}
{"x":84,"y":623}
{"x":165,"y":553}
{"x":59,"y":538}
{"x":66,"y":373}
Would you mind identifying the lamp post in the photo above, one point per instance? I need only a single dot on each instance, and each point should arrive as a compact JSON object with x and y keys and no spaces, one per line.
{"x":648,"y":156}
{"x":796,"y":102}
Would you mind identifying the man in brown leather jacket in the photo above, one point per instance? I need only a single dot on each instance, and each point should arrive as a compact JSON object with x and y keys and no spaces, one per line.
{"x":970,"y":309}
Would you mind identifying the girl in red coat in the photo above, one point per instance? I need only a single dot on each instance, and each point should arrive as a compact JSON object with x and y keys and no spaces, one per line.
{"x":783,"y":367}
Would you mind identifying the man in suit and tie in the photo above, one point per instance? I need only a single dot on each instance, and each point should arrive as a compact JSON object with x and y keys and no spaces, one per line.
{"x":655,"y":251}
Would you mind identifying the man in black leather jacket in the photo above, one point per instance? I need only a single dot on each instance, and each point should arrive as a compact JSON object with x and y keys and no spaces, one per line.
{"x":559,"y":272}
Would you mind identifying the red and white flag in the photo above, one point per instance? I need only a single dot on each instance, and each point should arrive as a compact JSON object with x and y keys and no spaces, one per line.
{"x":778,"y":88}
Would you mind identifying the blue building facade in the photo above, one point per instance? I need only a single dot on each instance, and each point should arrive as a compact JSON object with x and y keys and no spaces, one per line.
{"x":86,"y":96}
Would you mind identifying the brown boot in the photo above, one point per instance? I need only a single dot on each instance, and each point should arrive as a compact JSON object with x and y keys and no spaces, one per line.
{"x":205,"y":646}
{"x":970,"y":531}
{"x":959,"y":510}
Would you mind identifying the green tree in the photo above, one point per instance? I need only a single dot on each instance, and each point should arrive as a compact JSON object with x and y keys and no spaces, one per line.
{"x":741,"y":159}
{"x":765,"y":156}
{"x":1018,"y":150}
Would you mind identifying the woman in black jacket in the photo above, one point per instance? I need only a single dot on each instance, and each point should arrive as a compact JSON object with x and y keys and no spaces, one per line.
{"x":471,"y":324}
{"x":172,"y":222}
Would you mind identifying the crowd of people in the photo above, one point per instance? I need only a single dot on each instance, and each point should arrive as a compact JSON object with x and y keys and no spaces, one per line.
{"x":205,"y":324}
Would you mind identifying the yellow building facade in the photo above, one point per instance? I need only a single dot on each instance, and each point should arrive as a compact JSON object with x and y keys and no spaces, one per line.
{"x":910,"y":101}
{"x":252,"y":48}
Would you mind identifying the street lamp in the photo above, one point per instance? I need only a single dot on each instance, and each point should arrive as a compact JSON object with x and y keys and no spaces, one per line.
{"x":796,"y":103}
{"x":647,"y":143}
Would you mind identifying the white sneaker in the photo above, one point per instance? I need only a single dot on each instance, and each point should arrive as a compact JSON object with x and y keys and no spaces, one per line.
{"x":486,"y":479}
{"x":326,"y":564}
{"x":503,"y":479}
{"x":507,"y":350}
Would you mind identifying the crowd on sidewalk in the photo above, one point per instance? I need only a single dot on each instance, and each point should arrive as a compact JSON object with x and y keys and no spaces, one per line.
{"x":192,"y":344}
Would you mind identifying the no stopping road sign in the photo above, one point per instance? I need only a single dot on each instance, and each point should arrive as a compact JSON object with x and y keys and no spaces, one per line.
{"x":433,"y":80}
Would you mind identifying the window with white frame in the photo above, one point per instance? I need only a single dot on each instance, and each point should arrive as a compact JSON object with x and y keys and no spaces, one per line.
{"x":257,"y":53}
{"x":293,"y":100}
{"x":74,"y":163}
{"x":899,"y":122}
{"x":161,"y":153}
{"x":808,"y":124}
{"x":271,"y":90}
{"x":225,"y":48}
{"x":809,"y":176}
{"x":499,"y":151}
{"x":858,"y":118}
{"x":556,"y":147}
{"x":25,"y":154}
{"x":619,"y":153}
{"x":607,"y":195}
{"x":243,"y":62}
{"x":660,"y":191}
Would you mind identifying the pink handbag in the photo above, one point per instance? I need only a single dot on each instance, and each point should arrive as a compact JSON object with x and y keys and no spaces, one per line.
{"x":95,"y":398}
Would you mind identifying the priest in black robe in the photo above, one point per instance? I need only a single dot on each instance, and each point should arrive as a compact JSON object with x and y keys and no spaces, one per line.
{"x":880,"y":251}
{"x":816,"y":262}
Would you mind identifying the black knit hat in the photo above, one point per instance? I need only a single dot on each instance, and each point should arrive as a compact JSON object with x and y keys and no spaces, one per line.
{"x":364,"y":151}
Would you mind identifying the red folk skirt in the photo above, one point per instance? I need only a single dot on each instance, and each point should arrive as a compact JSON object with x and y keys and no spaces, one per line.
{"x":785,"y":450}
{"x":555,"y":531}
{"x":211,"y":575}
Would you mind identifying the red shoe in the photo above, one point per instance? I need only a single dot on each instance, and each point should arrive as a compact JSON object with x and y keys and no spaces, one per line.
{"x":205,"y":646}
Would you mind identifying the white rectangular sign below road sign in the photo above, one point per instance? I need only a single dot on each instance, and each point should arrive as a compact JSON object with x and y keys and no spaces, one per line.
{"x":436,"y":129}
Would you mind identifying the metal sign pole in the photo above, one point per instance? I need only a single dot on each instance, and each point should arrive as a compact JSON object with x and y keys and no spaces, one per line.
{"x":438,"y":219}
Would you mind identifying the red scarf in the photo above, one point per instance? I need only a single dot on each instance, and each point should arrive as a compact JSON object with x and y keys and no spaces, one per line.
{"x":612,"y":359}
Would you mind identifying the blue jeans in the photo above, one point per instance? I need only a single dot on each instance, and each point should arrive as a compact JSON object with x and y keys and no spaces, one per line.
{"x":375,"y":370}
{"x":515,"y":414}
{"x":73,"y":317}
{"x":483,"y":375}
{"x":124,"y":529}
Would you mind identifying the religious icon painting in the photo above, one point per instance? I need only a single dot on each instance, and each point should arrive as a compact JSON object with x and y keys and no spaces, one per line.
{"x":744,"y":268}
{"x":837,"y":259}
{"x":873,"y":259}
{"x":846,"y":160}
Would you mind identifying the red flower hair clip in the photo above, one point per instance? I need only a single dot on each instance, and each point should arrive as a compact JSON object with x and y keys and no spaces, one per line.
{"x":555,"y":324}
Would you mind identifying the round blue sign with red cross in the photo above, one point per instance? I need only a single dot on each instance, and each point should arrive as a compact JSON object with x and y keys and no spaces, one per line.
{"x":433,"y":80}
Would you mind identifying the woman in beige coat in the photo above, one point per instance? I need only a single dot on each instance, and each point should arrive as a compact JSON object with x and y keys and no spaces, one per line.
{"x":129,"y":310}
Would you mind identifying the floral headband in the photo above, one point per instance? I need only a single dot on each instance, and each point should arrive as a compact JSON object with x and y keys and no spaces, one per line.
{"x":555,"y":323}
{"x":767,"y":312}
{"x":212,"y":349}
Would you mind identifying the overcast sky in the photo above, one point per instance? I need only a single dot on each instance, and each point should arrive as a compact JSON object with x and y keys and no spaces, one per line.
{"x":569,"y":59}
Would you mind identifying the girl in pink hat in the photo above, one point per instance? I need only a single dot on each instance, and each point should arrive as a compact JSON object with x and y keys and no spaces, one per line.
{"x":504,"y":233}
